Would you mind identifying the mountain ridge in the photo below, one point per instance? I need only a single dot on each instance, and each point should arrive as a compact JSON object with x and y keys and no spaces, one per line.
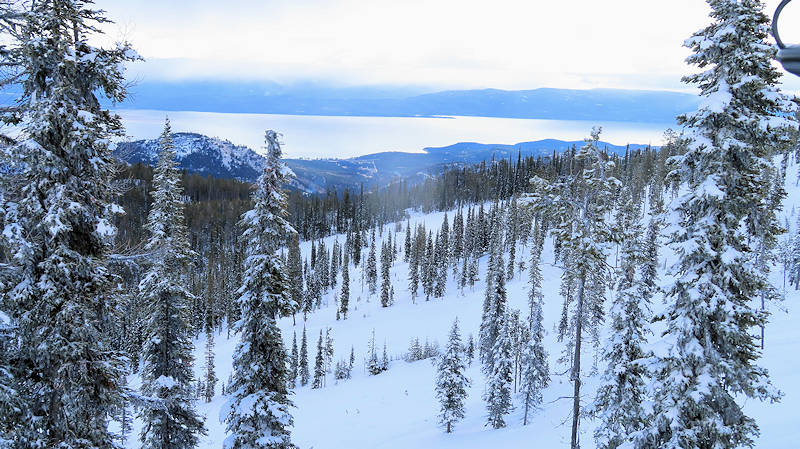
{"x":653,"y":106}
{"x":221,"y":158}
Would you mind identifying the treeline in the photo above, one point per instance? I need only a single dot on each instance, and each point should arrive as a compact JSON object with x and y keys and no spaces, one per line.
{"x":213,"y":208}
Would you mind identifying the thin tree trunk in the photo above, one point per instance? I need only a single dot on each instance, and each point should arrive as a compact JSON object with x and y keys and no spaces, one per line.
{"x":527,"y":400}
{"x":576,"y":367}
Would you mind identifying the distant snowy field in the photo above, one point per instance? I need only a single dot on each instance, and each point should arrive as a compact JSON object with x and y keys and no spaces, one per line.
{"x":398,"y":409}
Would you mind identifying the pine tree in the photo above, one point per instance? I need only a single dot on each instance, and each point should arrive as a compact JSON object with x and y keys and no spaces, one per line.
{"x":334,"y":264}
{"x":535,"y":370}
{"x":498,"y":386}
{"x":470,"y":349}
{"x":12,"y":409}
{"x":407,"y":242}
{"x":373,"y":365}
{"x":303,"y":370}
{"x":741,"y":123}
{"x":168,"y":360}
{"x":579,"y":205}
{"x":512,"y":226}
{"x":57,"y":216}
{"x":294,"y":270}
{"x":319,"y":364}
{"x":413,"y":274}
{"x":428,"y":268}
{"x":344,"y":300}
{"x":622,"y":392}
{"x":328,"y":351}
{"x":125,"y":417}
{"x":372,"y":267}
{"x":494,"y":306}
{"x":386,"y":281}
{"x":294,"y":361}
{"x":440,"y":268}
{"x":472,"y":275}
{"x":457,"y":239}
{"x":384,"y":358}
{"x":451,"y":382}
{"x":257,"y":413}
{"x":210,"y":376}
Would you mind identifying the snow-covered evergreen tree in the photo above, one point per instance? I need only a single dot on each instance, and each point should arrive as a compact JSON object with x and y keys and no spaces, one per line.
{"x":535,"y":369}
{"x":167,"y":374}
{"x":498,"y":384}
{"x":257,"y":412}
{"x":579,"y":205}
{"x":344,"y":299}
{"x":294,"y":269}
{"x":210,"y":378}
{"x":386,"y":281}
{"x":709,"y":365}
{"x":319,"y":364}
{"x":11,"y":405}
{"x":451,"y":381}
{"x":373,"y":365}
{"x":303,"y":371}
{"x":372,"y":266}
{"x":619,"y":402}
{"x":294,"y":361}
{"x":494,"y":306}
{"x":57,"y":221}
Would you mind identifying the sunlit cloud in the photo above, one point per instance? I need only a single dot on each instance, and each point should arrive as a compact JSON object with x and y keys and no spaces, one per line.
{"x":443,"y":44}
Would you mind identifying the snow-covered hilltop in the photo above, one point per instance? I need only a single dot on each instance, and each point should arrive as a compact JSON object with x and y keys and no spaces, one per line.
{"x":199,"y":154}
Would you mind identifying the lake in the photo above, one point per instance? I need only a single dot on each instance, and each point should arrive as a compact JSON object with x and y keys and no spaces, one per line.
{"x":342,"y":137}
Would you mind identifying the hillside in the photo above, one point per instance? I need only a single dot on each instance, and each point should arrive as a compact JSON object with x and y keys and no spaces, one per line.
{"x":208,"y":156}
{"x":397,"y":408}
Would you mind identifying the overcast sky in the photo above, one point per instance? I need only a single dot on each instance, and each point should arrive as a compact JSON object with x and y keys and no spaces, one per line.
{"x":448,"y":44}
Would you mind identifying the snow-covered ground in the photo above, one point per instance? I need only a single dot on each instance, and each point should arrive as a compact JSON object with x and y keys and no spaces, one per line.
{"x":398,"y":409}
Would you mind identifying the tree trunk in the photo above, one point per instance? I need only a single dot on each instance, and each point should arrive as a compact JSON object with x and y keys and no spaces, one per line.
{"x":576,"y":367}
{"x":525,"y":418}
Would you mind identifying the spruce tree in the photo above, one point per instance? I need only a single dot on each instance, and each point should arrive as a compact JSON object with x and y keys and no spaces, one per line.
{"x":344,"y":300}
{"x":12,"y":409}
{"x":579,"y":204}
{"x":257,"y":412}
{"x":304,"y":373}
{"x":57,"y":214}
{"x":470,"y":351}
{"x":535,"y":369}
{"x":386,"y":281}
{"x":210,"y":378}
{"x":372,"y":266}
{"x":494,"y":306}
{"x":319,"y":364}
{"x":498,"y":384}
{"x":294,"y":361}
{"x":294,"y":269}
{"x":167,"y":373}
{"x":407,"y":242}
{"x":710,"y":365}
{"x":451,"y":381}
{"x":413,"y":274}
{"x":619,"y":402}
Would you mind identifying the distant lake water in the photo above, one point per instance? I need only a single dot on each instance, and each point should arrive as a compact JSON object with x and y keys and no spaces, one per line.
{"x":342,"y":137}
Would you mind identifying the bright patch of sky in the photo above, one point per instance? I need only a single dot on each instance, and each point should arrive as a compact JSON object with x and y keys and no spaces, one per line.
{"x":442,"y":44}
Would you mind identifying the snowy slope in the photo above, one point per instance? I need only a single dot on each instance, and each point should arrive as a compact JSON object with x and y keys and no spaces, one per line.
{"x":398,"y":409}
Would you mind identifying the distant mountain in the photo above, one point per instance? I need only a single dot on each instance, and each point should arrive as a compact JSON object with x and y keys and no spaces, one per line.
{"x":545,"y":103}
{"x":222,"y":159}
{"x":199,"y":154}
